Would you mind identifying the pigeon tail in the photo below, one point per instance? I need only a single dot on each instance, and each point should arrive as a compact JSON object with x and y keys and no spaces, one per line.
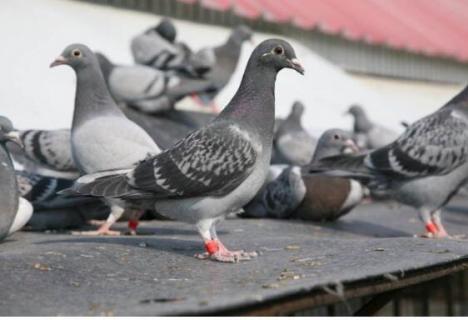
{"x":112,"y":184}
{"x":346,"y":166}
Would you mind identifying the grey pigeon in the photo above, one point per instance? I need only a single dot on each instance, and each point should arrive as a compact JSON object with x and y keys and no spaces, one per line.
{"x":224,"y":59}
{"x":310,"y":197}
{"x":157,"y":48}
{"x":15,"y":211}
{"x":147,"y":89}
{"x":214,"y":170}
{"x":292,"y":143}
{"x":102,"y":138}
{"x":46,"y":152}
{"x":423,"y":168}
{"x":368,"y":134}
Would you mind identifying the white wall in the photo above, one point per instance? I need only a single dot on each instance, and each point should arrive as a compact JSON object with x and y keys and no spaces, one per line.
{"x":33,"y":33}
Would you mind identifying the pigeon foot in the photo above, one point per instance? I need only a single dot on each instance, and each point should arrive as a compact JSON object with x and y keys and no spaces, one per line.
{"x":94,"y":222}
{"x":218,"y":252}
{"x":104,"y":230}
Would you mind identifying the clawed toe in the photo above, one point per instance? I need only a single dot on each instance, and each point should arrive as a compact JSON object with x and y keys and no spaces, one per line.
{"x":97,"y":233}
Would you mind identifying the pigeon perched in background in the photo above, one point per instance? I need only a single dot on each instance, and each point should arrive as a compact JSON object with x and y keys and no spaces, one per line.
{"x":292,"y":143}
{"x":15,"y":210}
{"x":102,"y":138}
{"x":157,"y":48}
{"x":369,"y":135}
{"x":214,"y":170}
{"x":423,"y":168}
{"x":147,"y":89}
{"x":224,"y":59}
{"x":310,"y":197}
{"x":46,"y":152}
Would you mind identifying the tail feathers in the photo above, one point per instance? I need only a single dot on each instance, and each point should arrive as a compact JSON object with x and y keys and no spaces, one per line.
{"x":342,"y":166}
{"x":111,"y":184}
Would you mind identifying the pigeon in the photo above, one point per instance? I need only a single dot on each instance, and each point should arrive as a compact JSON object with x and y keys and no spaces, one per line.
{"x":216,"y":169}
{"x":310,"y":197}
{"x":293,"y":145}
{"x":157,"y":48}
{"x":46,"y":152}
{"x":43,"y":191}
{"x":223,"y":60}
{"x":423,"y":168}
{"x":147,"y":89}
{"x":15,"y":211}
{"x":369,"y":135}
{"x":102,"y":138}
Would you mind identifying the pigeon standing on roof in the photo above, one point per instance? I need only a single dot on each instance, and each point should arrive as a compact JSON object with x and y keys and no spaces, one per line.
{"x":216,"y":169}
{"x":423,"y":168}
{"x":368,"y":134}
{"x":15,"y":210}
{"x":292,"y":143}
{"x":147,"y":89}
{"x":102,"y":138}
{"x":310,"y":197}
{"x":224,"y":59}
{"x":46,"y":152}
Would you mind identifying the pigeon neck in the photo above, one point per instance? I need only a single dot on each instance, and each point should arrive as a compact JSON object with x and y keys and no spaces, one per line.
{"x":92,"y":96}
{"x":362,"y":124}
{"x":233,"y":45}
{"x":254,"y":102}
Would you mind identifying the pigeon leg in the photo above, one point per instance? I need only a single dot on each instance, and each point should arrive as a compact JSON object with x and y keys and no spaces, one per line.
{"x":134,"y":221}
{"x":431,"y":228}
{"x":104,"y":230}
{"x":437,"y":220}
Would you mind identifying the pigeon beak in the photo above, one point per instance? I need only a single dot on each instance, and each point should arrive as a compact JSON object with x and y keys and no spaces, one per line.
{"x":14,"y":136}
{"x":349,"y":143}
{"x":58,"y":61}
{"x":296,"y":65}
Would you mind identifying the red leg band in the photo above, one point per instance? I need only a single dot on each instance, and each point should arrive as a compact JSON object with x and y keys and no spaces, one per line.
{"x":133,"y":224}
{"x":211,"y":246}
{"x":431,"y":228}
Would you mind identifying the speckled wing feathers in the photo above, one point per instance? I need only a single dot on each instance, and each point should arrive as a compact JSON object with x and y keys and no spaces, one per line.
{"x":436,"y":144}
{"x":211,"y":162}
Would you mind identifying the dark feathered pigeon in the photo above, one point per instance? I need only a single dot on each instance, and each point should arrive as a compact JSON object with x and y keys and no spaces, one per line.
{"x":216,"y":169}
{"x":293,"y":145}
{"x":423,"y":168}
{"x":15,"y":210}
{"x":309,"y":197}
{"x":102,"y":138}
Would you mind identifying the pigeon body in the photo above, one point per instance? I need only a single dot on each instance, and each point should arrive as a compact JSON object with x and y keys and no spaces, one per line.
{"x":14,"y":210}
{"x":293,"y":144}
{"x":145,"y":88}
{"x":369,"y":135}
{"x":423,"y":168}
{"x":216,"y":169}
{"x":223,"y":60}
{"x":102,"y":138}
{"x":297,"y":195}
{"x":46,"y":152}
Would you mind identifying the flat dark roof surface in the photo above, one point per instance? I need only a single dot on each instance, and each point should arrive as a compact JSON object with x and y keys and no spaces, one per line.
{"x":370,"y":250}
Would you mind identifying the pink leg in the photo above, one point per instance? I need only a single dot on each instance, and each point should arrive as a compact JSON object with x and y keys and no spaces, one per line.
{"x":436,"y":219}
{"x":431,"y":228}
{"x":134,"y":221}
{"x":104,"y":229}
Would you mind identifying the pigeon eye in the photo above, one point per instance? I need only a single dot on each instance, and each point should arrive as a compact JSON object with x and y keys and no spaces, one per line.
{"x":76,"y":53}
{"x":278,"y":50}
{"x":336,"y":137}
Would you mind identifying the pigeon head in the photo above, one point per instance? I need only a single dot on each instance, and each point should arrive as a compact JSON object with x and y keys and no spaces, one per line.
{"x":76,"y":56}
{"x":8,"y":133}
{"x":166,"y":29}
{"x":276,"y":54}
{"x":335,"y":142}
{"x":242,"y":33}
{"x":297,"y":109}
{"x":356,"y":110}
